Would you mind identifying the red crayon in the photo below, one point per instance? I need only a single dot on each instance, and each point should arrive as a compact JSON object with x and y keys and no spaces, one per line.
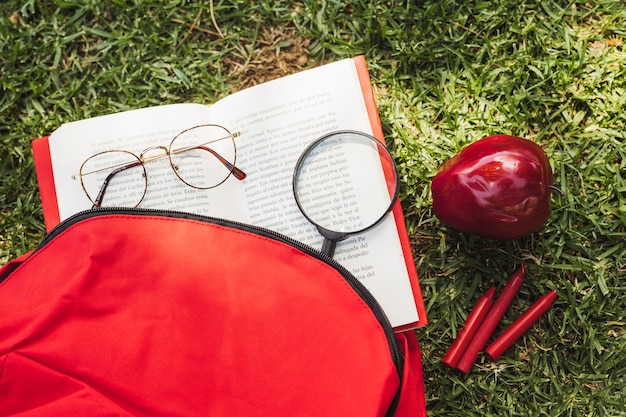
{"x":521,"y":325}
{"x":491,"y":321}
{"x":471,"y":325}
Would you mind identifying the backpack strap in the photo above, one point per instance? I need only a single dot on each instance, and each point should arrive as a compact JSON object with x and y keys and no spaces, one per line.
{"x":12,"y":265}
{"x":412,"y":400}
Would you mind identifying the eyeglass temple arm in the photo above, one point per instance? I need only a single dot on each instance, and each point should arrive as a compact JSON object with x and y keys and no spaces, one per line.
{"x":98,"y":201}
{"x":238,"y":173}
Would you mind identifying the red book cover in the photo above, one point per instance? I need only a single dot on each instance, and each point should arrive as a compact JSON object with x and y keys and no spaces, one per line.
{"x":377,"y":130}
{"x":45,"y":178}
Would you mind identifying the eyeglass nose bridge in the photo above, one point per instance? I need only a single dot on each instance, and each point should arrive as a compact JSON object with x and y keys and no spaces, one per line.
{"x":166,"y":153}
{"x":144,"y":157}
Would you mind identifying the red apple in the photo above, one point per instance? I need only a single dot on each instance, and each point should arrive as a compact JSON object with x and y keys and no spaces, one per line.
{"x":497,"y":187}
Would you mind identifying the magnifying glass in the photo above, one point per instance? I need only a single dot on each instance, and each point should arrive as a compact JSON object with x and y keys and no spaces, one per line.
{"x":345,"y":183}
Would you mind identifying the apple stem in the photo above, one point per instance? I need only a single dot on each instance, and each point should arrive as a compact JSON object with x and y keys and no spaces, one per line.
{"x":556,"y":189}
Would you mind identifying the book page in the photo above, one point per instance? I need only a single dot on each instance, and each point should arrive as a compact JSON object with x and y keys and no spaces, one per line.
{"x":277,"y":121}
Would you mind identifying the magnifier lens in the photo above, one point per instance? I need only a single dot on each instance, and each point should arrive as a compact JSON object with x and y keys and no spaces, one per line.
{"x":345,"y":183}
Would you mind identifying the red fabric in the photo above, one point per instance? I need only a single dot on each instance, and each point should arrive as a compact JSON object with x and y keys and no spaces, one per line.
{"x":412,"y":399}
{"x":151,"y":316}
{"x":12,"y":265}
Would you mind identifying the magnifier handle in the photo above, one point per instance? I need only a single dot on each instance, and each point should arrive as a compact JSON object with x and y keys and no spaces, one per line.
{"x":330,"y":240}
{"x":328,"y":247}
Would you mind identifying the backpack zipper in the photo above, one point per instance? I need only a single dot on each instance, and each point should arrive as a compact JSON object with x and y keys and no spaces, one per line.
{"x":354,"y":283}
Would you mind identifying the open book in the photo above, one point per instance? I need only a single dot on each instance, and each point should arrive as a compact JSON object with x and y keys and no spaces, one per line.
{"x":277,"y":121}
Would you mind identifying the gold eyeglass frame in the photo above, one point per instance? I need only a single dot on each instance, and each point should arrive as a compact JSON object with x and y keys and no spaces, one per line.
{"x":142,"y":159}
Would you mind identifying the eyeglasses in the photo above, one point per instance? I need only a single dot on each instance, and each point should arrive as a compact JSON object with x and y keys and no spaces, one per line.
{"x":202,"y":157}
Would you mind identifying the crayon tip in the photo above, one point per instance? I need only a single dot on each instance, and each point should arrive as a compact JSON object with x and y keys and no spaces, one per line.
{"x":491,"y":292}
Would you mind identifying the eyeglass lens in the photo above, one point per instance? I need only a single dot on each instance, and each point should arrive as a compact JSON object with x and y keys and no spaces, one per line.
{"x":114,"y":178}
{"x":203,"y":156}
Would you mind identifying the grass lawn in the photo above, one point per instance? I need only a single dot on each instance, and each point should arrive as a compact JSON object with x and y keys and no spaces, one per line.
{"x":445,"y":73}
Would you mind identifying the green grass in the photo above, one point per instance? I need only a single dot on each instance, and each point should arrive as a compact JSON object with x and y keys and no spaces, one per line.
{"x":445,"y":73}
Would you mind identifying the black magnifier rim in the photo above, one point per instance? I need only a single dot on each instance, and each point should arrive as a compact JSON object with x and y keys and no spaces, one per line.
{"x":333,"y":234}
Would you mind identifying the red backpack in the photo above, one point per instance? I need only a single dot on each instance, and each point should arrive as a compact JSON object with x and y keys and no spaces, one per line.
{"x":152,"y":313}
